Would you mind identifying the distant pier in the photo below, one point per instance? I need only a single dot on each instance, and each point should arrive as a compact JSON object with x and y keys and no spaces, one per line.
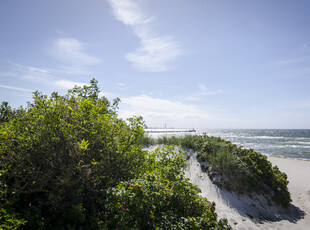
{"x":170,"y":130}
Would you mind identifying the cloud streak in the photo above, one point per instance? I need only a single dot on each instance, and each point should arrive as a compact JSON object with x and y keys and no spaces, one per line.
{"x":72,"y":51}
{"x":35,"y":75}
{"x":28,"y":73}
{"x":15,"y":88}
{"x":295,"y":67}
{"x":156,"y":52}
{"x":298,"y":72}
{"x":72,"y":54}
{"x":202,"y":93}
{"x":293,"y":61}
{"x":129,"y":12}
{"x":69,"y":84}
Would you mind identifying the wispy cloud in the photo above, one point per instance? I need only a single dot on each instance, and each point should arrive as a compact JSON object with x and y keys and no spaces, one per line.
{"x":69,"y":84}
{"x":202,"y":87}
{"x":72,"y":54}
{"x":72,"y":57}
{"x":294,"y":60}
{"x":304,"y":49}
{"x":121,"y":86}
{"x":29,"y":73}
{"x":129,"y":12}
{"x":155,"y":54}
{"x":295,"y":67}
{"x":106,"y":94}
{"x":298,"y":72}
{"x":301,"y":104}
{"x":39,"y":75}
{"x":15,"y":88}
{"x":202,"y":92}
{"x":156,"y":51}
{"x":156,"y":111}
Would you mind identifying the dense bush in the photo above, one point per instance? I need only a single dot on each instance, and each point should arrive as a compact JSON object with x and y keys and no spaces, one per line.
{"x":162,"y":198}
{"x":63,"y":158}
{"x":62,"y":152}
{"x":241,"y":170}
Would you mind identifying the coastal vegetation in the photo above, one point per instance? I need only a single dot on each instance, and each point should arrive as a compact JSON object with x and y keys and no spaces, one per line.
{"x":69,"y":162}
{"x":243,"y":171}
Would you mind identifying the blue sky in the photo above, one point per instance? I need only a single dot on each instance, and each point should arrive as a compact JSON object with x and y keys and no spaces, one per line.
{"x":187,"y":64}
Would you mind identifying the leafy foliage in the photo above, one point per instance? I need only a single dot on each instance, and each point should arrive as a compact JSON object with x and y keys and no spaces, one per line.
{"x":241,"y":170}
{"x":8,"y":219}
{"x":161,"y":198}
{"x":64,"y":158}
{"x":62,"y":152}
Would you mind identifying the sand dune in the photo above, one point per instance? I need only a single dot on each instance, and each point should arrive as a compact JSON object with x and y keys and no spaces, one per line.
{"x":258,"y":212}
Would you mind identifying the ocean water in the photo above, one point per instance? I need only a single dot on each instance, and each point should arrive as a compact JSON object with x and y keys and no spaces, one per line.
{"x":291,"y":143}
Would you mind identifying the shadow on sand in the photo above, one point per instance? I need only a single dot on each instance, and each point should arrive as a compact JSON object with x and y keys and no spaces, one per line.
{"x":258,"y":208}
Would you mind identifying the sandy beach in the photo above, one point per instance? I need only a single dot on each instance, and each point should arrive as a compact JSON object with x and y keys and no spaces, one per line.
{"x":298,"y":172}
{"x":257,"y":212}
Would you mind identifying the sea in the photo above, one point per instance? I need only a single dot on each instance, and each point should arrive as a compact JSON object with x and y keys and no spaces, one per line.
{"x":290,"y":143}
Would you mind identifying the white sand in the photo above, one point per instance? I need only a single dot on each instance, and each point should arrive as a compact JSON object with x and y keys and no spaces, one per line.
{"x":298,"y":172}
{"x":245,"y":212}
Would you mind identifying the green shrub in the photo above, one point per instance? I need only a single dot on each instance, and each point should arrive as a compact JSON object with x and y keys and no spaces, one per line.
{"x":236,"y":175}
{"x":147,"y":141}
{"x":279,"y":184}
{"x":62,"y":152}
{"x":9,"y":221}
{"x":161,"y":199}
{"x":8,"y":218}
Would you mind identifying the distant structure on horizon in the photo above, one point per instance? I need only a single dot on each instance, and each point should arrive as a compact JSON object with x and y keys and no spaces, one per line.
{"x":169,"y":130}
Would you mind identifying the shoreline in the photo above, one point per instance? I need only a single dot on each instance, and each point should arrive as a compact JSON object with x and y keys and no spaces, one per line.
{"x":289,"y":158}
